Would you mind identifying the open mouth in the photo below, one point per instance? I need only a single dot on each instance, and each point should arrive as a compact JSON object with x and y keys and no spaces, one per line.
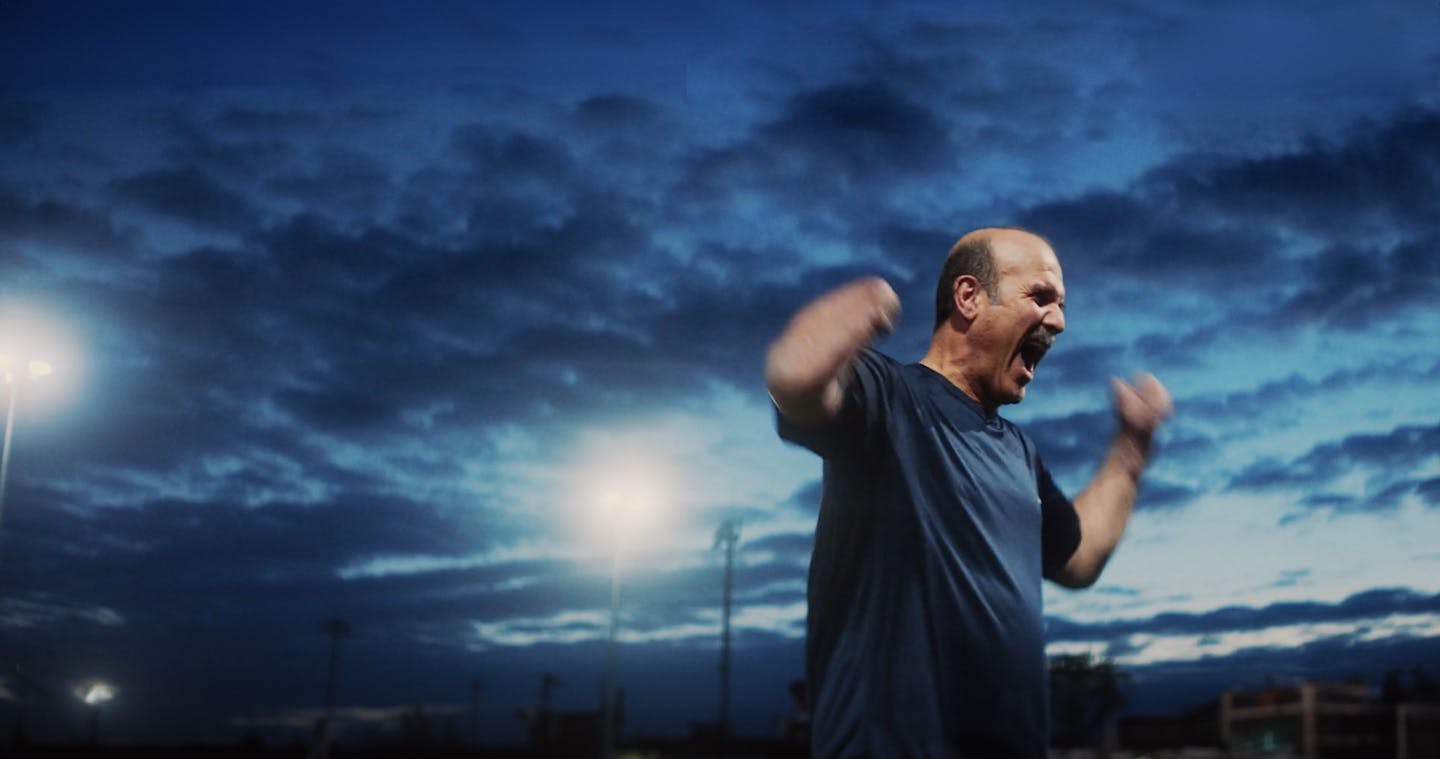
{"x":1034,"y":347}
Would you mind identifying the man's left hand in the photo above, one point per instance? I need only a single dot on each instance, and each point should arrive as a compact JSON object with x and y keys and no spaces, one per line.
{"x":1141,"y":407}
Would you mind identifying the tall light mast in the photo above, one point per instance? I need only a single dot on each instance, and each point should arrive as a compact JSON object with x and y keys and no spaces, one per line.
{"x":727,"y":535}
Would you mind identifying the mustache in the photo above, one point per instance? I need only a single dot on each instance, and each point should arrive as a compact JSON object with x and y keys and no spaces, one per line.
{"x":1041,"y":337}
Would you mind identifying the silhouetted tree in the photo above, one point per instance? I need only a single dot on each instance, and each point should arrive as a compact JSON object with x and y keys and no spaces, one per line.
{"x":1084,"y":695}
{"x":415,"y":727}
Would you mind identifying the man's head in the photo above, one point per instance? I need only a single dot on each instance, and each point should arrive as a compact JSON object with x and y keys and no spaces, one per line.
{"x":998,"y":307}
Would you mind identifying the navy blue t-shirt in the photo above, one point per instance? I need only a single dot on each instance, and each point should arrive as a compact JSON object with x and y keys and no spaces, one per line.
{"x":937,"y":523}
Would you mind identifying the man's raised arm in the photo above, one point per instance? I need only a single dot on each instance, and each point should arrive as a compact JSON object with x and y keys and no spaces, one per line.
{"x":1105,"y":504}
{"x":805,"y":368}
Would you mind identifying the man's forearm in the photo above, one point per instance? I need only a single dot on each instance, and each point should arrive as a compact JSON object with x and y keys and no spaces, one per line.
{"x":804,"y":367}
{"x":1105,"y":504}
{"x":1104,"y":507}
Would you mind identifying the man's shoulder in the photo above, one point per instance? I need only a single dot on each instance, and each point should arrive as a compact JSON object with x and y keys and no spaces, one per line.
{"x":873,"y":357}
{"x":882,"y":364}
{"x":877,"y":372}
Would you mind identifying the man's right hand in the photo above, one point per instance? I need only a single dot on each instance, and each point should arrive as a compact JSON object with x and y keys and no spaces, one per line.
{"x":806,"y":364}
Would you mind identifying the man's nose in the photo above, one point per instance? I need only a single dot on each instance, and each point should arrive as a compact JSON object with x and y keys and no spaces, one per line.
{"x":1054,"y":319}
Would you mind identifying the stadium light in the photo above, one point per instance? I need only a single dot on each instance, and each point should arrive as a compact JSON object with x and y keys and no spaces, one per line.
{"x":12,"y":376}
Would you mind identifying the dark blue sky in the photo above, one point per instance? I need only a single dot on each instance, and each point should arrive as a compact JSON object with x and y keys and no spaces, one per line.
{"x":360,"y":309}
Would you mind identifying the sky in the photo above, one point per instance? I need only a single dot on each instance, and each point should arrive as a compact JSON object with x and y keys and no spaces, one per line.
{"x":374,"y":311}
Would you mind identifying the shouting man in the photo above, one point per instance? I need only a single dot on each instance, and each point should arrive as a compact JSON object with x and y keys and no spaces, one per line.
{"x":938,"y":519}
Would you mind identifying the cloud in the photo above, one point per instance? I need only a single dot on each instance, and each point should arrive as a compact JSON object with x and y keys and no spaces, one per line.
{"x":188,"y":195}
{"x":1352,"y":288}
{"x":1217,"y":217}
{"x":616,"y":112}
{"x":1398,"y":450}
{"x":19,"y":120}
{"x":1371,"y":604}
{"x":30,"y":223}
{"x":796,"y":545}
{"x":353,"y":184}
{"x":860,"y":129}
{"x":1310,"y":188}
{"x":1430,"y":491}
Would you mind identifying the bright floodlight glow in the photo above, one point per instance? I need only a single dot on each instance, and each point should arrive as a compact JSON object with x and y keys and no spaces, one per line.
{"x":622,"y":491}
{"x":95,"y":693}
{"x":35,"y":344}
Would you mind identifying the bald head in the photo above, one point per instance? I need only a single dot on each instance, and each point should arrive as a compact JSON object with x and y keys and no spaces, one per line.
{"x":975,"y":255}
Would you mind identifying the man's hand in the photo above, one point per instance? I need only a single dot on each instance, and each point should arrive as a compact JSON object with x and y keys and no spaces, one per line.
{"x":1141,"y":407}
{"x":1105,"y":504}
{"x":804,"y":367}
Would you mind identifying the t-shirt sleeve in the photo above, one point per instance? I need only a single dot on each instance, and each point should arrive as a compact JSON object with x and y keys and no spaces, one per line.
{"x":861,"y":411}
{"x":1060,"y":533}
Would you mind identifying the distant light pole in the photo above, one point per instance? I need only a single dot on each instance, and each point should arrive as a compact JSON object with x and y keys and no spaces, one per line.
{"x":727,"y":535}
{"x":336,"y":628}
{"x":625,"y":511}
{"x":9,"y":371}
{"x":95,"y":694}
{"x":607,"y":745}
{"x":477,"y":686}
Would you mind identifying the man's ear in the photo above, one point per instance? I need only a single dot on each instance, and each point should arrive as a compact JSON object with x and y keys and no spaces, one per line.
{"x":967,"y":295}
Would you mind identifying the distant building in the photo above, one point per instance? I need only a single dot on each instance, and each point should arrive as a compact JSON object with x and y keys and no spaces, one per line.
{"x":1308,"y":720}
{"x":1198,"y":728}
{"x":1326,"y":721}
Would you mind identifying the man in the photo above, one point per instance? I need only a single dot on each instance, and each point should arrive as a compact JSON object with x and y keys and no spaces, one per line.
{"x":938,"y":519}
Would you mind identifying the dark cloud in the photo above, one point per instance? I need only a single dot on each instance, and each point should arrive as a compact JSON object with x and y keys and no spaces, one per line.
{"x":1391,"y":164}
{"x":831,"y":148}
{"x":1082,"y":365}
{"x":615,"y":111}
{"x":797,"y":545}
{"x":250,"y":119}
{"x":1380,"y":602}
{"x":1176,"y":687}
{"x":1215,"y":219}
{"x":50,"y":222}
{"x":197,"y":146}
{"x":19,"y":119}
{"x":863,"y":128}
{"x":1396,"y":451}
{"x":1138,"y":235}
{"x":1275,"y":401}
{"x":807,"y":498}
{"x":1383,"y":498}
{"x":512,"y":157}
{"x":351,"y":181}
{"x":1072,"y":443}
{"x":1159,"y":494}
{"x":188,"y":195}
{"x":1351,"y":288}
{"x":1429,"y":490}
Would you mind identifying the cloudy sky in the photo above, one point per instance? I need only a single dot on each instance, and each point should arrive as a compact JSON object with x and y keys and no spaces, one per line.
{"x":362,"y":310}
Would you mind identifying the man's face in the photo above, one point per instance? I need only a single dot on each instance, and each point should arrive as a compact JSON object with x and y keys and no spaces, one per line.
{"x":1014,"y":329}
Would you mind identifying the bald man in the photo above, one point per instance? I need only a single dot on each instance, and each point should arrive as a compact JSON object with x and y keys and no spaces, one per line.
{"x":938,"y":520}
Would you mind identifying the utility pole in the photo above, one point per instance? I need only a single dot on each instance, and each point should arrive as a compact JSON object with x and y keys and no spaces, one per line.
{"x":336,"y":628}
{"x":477,"y":686}
{"x":727,"y":535}
{"x":548,"y":682}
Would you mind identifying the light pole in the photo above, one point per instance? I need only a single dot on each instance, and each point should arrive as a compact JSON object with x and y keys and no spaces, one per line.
{"x":624,"y":512}
{"x":727,"y":535}
{"x":607,"y":726}
{"x":95,"y":694}
{"x":336,"y":629}
{"x":10,"y":371}
{"x":477,"y":686}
